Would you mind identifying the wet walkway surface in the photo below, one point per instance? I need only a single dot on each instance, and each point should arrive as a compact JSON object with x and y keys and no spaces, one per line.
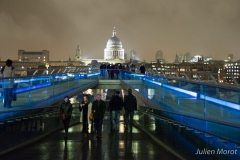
{"x":113,"y":146}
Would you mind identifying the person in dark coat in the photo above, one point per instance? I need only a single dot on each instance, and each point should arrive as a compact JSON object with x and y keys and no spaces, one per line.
{"x":116,"y":68}
{"x":120,"y":66}
{"x":98,"y":109}
{"x":130,"y":104}
{"x":109,"y":70}
{"x":142,"y":69}
{"x":104,"y":67}
{"x":65,"y":113}
{"x":101,"y":70}
{"x":112,"y":71}
{"x":115,"y":106}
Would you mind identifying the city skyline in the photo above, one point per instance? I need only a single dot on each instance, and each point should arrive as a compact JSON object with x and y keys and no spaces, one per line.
{"x":208,"y":28}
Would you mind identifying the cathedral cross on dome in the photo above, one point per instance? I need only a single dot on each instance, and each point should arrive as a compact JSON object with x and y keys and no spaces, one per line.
{"x":114,"y":32}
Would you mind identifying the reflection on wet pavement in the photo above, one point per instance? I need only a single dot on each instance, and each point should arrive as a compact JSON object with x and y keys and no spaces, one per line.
{"x":123,"y":145}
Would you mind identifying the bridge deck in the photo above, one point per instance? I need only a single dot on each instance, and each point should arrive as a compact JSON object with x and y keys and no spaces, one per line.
{"x":122,"y":145}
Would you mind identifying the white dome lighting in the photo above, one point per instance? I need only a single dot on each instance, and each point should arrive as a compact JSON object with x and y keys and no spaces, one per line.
{"x":114,"y":48}
{"x":114,"y":41}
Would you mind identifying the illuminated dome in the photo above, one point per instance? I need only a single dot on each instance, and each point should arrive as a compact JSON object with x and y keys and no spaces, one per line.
{"x":114,"y":41}
{"x":114,"y":48}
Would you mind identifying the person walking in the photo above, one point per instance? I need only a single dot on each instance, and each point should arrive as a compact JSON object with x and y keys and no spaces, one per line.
{"x":86,"y":109}
{"x":109,"y":70}
{"x":142,"y":69}
{"x":101,"y":70}
{"x":104,"y":67}
{"x":8,"y":71}
{"x":130,"y":104}
{"x":112,"y":71}
{"x":98,"y":109}
{"x":116,"y":68}
{"x":115,"y":106}
{"x":65,"y":113}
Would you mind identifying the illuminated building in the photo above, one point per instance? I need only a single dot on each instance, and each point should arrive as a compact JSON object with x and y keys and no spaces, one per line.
{"x":114,"y":48}
{"x":178,"y":69}
{"x":133,"y":55}
{"x":187,"y":57}
{"x":231,"y":71}
{"x":158,"y":55}
{"x":230,"y":57}
{"x":125,"y":56}
{"x":78,"y":56}
{"x":33,"y":56}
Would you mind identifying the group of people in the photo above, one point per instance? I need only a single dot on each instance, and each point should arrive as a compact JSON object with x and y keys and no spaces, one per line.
{"x":127,"y":106}
{"x":112,"y":69}
{"x":95,"y":111}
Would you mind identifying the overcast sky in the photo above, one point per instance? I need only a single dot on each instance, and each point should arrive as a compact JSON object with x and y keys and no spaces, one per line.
{"x":205,"y":27}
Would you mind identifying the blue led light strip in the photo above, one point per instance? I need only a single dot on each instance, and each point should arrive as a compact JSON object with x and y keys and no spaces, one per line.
{"x":138,"y":75}
{"x":151,"y":81}
{"x":30,"y":80}
{"x":194,"y":94}
{"x":94,"y":74}
{"x":221,"y":102}
{"x":24,"y":89}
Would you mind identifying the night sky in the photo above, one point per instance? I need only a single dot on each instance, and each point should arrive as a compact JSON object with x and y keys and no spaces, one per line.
{"x":204,"y":27}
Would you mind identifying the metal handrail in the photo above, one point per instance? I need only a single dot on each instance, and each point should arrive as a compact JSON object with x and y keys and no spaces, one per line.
{"x":32,"y":76}
{"x":218,"y":85}
{"x":226,"y":138}
{"x":197,"y":117}
{"x":27,"y":109}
